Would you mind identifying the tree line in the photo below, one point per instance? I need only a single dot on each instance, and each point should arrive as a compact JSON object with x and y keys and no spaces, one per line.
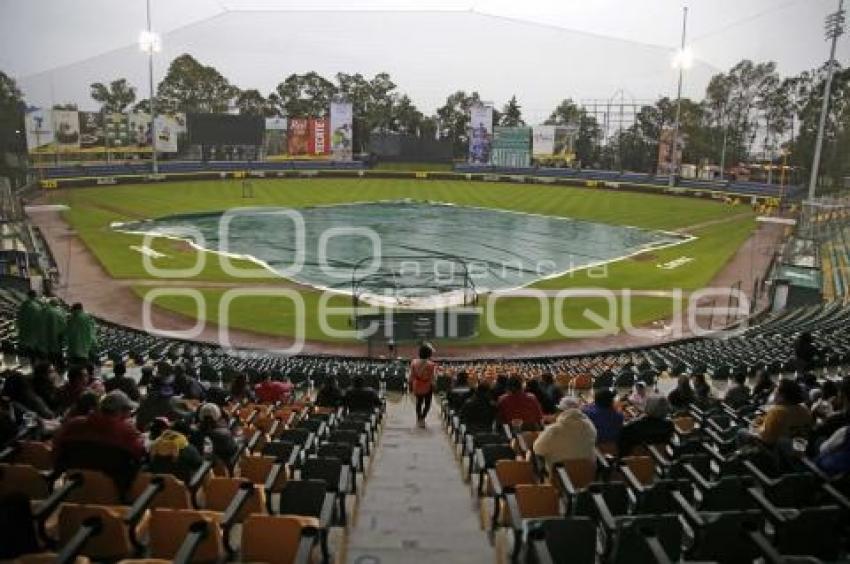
{"x":747,"y":112}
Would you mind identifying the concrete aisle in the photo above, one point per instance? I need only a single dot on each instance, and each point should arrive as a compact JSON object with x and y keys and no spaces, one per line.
{"x":416,"y":507}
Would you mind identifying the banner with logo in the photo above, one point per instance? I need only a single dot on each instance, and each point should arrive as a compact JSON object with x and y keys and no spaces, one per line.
{"x":342,"y":131}
{"x":319,"y":141}
{"x":543,"y":140}
{"x":480,"y":134}
{"x":117,"y":130}
{"x":92,"y":135}
{"x":66,"y":129}
{"x":165,"y":129}
{"x":39,"y":130}
{"x":298,"y":136}
{"x":666,"y":165}
{"x":511,"y":147}
{"x":140,"y":130}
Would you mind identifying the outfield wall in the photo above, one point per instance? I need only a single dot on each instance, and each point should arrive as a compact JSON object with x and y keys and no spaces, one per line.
{"x":250,"y":174}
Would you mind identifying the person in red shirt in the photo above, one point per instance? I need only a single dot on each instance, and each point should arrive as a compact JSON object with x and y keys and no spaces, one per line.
{"x":106,"y":440}
{"x":516,"y":404}
{"x":421,"y":381}
{"x":273,"y":391}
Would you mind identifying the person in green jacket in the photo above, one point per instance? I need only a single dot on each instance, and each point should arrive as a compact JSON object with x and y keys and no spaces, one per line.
{"x":55,"y":326}
{"x":81,"y":335}
{"x":28,"y":323}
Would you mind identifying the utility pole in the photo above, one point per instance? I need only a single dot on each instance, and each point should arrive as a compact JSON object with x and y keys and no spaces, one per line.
{"x":151,"y":47}
{"x":834,"y":27}
{"x":681,"y":63}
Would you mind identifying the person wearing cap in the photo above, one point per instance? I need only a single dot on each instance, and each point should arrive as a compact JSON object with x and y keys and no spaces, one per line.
{"x":160,"y":402}
{"x":421,"y":381}
{"x":653,"y":427}
{"x":571,"y":437}
{"x":109,"y":426}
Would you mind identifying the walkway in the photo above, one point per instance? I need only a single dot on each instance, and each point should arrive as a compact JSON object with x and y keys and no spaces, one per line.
{"x":416,"y":507}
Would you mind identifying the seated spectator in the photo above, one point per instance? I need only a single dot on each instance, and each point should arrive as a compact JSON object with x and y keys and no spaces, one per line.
{"x":105,"y":440}
{"x":637,"y":399}
{"x":805,"y":352}
{"x":160,"y":402}
{"x":607,"y":420}
{"x":361,"y":398}
{"x":44,"y":383}
{"x":787,"y":417}
{"x":186,"y":385}
{"x":172,"y":453}
{"x":460,"y":392}
{"x":683,"y":394}
{"x":840,"y":418}
{"x":517,"y":405}
{"x":571,"y":437}
{"x":273,"y":391}
{"x":329,"y":395}
{"x":702,"y":390}
{"x":550,"y":388}
{"x":213,"y":431}
{"x":763,"y":387}
{"x":834,"y":454}
{"x":478,"y":410}
{"x":120,"y":381}
{"x":546,"y":404}
{"x":18,"y":389}
{"x":74,"y":387}
{"x":651,"y":428}
{"x":738,"y":393}
{"x":240,"y":390}
{"x":86,"y":405}
{"x":146,"y":377}
{"x":499,"y":388}
{"x":824,"y":400}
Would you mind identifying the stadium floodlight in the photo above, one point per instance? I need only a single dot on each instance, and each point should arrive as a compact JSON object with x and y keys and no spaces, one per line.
{"x":150,"y":42}
{"x":683,"y":59}
{"x":834,"y":28}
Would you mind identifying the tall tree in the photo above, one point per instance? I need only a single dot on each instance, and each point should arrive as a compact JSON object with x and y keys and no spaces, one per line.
{"x":405,"y":117}
{"x":453,"y":120}
{"x":511,"y":114}
{"x":114,"y":97}
{"x":11,"y":130}
{"x":251,"y":102}
{"x":189,"y":86}
{"x":303,"y":95}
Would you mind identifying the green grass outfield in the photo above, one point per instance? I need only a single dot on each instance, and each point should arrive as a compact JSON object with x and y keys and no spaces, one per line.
{"x":93,"y":209}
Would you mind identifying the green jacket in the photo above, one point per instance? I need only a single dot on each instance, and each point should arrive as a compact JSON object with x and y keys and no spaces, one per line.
{"x":81,"y":335}
{"x":29,"y":325}
{"x":55,"y":326}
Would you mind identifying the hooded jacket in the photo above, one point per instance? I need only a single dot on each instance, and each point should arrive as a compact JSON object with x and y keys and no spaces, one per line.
{"x":572,"y":436}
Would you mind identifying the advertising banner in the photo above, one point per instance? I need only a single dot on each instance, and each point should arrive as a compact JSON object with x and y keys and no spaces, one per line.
{"x":166,"y":128}
{"x":342,"y":129}
{"x":140,"y":130}
{"x":480,"y":134}
{"x":319,"y":141}
{"x":511,"y":147}
{"x":543,"y":140}
{"x":66,"y":130}
{"x":275,"y":123}
{"x":298,"y":136}
{"x":92,"y":136}
{"x":665,"y":151}
{"x":39,"y":130}
{"x":117,"y":130}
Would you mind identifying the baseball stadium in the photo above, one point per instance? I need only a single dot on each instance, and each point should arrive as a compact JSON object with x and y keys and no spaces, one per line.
{"x":300,"y":298}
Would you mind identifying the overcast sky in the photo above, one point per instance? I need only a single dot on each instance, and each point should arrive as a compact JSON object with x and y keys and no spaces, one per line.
{"x":540,"y":50}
